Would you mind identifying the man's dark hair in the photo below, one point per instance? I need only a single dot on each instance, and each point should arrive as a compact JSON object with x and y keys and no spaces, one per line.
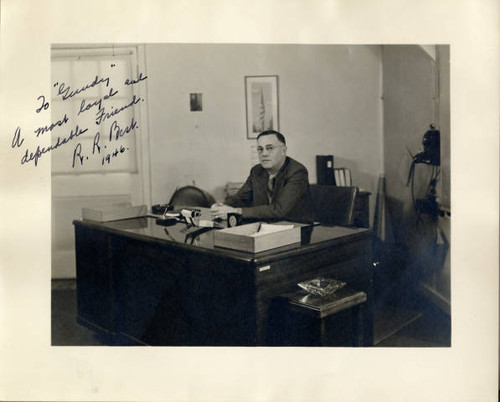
{"x":279,"y":136}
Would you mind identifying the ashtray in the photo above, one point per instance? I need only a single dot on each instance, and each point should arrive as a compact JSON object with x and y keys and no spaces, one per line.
{"x":321,"y":286}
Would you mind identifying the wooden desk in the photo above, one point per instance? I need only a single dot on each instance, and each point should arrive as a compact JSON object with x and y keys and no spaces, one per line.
{"x":140,"y":283}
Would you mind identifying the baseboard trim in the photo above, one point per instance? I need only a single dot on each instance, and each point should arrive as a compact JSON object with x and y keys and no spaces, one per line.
{"x":435,"y":298}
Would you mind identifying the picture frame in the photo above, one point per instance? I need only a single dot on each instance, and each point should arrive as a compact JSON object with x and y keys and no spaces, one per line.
{"x":196,"y":102}
{"x":261,"y":94}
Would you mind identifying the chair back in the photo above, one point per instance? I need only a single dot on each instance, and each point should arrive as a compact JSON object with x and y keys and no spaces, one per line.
{"x":191,"y":196}
{"x":334,"y":205}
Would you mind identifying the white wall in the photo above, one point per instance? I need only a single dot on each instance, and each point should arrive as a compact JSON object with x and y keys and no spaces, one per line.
{"x":329,"y":103}
{"x":414,"y":97}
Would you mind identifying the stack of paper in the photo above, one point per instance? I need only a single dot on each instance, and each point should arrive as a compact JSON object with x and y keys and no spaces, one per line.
{"x":266,"y":228}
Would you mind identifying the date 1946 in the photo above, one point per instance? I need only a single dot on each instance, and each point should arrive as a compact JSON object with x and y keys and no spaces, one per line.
{"x":109,"y":157}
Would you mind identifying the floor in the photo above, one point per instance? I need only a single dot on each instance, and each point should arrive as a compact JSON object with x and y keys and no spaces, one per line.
{"x":403,"y":317}
{"x":417,"y":325}
{"x":398,"y":321}
{"x":65,"y":330}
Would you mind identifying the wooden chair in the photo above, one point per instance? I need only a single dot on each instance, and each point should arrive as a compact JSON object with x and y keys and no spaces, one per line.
{"x":334,"y":205}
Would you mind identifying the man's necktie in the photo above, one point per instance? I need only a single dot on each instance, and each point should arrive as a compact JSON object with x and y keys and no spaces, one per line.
{"x":270,"y":187}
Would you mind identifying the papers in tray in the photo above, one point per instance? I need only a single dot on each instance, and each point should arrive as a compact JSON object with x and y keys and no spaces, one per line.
{"x":265,"y":228}
{"x":249,"y":238}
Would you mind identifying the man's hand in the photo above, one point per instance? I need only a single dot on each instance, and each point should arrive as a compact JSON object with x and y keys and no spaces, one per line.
{"x":220,"y":211}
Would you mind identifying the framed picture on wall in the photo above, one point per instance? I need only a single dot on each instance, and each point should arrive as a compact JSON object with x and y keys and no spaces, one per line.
{"x":195,"y":102}
{"x":262,"y":104}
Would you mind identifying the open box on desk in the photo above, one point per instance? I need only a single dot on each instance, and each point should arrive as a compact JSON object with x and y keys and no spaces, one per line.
{"x":259,"y":236}
{"x":114,"y":212}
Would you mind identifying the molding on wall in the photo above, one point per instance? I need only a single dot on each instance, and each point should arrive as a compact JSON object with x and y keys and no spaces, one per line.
{"x":435,"y":297}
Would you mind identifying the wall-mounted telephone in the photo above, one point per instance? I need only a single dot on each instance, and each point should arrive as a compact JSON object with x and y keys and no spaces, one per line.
{"x":431,"y":155}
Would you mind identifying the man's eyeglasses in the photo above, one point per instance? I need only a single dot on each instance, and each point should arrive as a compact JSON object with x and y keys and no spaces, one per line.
{"x":269,"y":148}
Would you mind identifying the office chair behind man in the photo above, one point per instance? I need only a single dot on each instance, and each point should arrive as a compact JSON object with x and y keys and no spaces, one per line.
{"x":191,"y":196}
{"x":334,"y":205}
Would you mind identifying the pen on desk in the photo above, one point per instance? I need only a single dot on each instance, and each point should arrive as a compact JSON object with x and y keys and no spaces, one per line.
{"x":259,"y":227}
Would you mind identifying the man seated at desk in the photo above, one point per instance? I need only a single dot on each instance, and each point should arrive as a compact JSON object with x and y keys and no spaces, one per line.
{"x":277,"y":188}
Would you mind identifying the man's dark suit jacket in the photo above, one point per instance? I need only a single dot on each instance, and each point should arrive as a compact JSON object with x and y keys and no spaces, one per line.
{"x":291,"y":198}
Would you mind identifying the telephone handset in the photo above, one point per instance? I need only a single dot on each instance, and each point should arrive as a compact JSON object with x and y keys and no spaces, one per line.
{"x":431,"y":155}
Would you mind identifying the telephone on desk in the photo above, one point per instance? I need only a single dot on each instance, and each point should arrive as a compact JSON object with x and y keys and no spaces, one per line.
{"x":170,"y":216}
{"x":159,"y":209}
{"x":191,"y":217}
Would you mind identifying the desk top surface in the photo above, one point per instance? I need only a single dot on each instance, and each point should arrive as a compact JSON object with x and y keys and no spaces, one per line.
{"x":183,"y":236}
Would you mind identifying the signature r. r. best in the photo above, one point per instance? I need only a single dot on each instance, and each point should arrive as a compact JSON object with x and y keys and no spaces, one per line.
{"x":115,"y":133}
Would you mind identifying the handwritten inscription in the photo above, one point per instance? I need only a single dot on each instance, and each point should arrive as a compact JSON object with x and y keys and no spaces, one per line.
{"x":35,"y":156}
{"x":106,"y":136}
{"x":45,"y":105}
{"x":87,"y":106}
{"x":103,"y":115}
{"x":17,"y":141}
{"x":41,"y":130}
{"x":65,"y":91}
{"x":139,"y":79}
{"x":115,"y":133}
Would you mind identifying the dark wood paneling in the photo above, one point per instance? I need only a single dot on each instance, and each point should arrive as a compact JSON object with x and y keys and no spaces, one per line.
{"x":95,"y":283}
{"x":221,"y":301}
{"x":150,"y":283}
